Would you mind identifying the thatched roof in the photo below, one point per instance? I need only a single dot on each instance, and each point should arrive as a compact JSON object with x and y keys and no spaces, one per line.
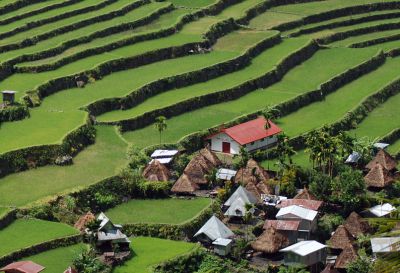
{"x":252,"y":188}
{"x":356,"y":225}
{"x":83,"y":221}
{"x":253,"y":172}
{"x":263,"y":188}
{"x":330,"y":269}
{"x":383,"y":158}
{"x":305,"y":203}
{"x":184,"y":185}
{"x":341,"y":238}
{"x":210,"y":156}
{"x":200,"y":165}
{"x":271,"y":241}
{"x":348,"y":255}
{"x":156,"y":171}
{"x":378,"y":177}
{"x":306,"y":194}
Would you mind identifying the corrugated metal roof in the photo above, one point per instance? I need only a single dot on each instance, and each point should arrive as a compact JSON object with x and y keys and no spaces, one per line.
{"x":300,"y":212}
{"x":238,"y":208}
{"x":163,"y":153}
{"x":304,"y":248}
{"x":252,"y":130}
{"x":8,"y":92}
{"x":24,"y":266}
{"x":385,"y":244}
{"x":166,"y":160}
{"x":282,"y":224}
{"x":242,"y":193}
{"x":215,"y":229}
{"x":382,"y":210}
{"x":226,"y":174}
{"x":380,"y":145}
{"x":353,"y":158}
{"x":222,"y":242}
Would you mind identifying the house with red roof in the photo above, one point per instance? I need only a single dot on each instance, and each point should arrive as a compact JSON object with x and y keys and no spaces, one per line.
{"x":22,"y":267}
{"x":251,"y":135}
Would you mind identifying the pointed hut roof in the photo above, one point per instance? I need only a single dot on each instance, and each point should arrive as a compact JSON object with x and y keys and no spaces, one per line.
{"x":200,"y":165}
{"x":378,"y":177}
{"x":246,"y":174}
{"x":238,"y":208}
{"x":252,"y":188}
{"x":184,"y":185}
{"x":242,"y":193}
{"x":83,"y":221}
{"x":341,"y":238}
{"x":348,"y":255}
{"x":215,"y":229}
{"x":383,"y":158}
{"x":306,"y":194}
{"x":357,"y":225}
{"x":270,"y":241}
{"x":210,"y":156}
{"x":330,"y":269}
{"x":156,"y":171}
{"x":263,"y":188}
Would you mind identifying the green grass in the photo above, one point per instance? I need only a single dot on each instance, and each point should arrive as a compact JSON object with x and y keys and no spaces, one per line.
{"x":193,"y":3}
{"x":25,"y":233}
{"x":149,"y":252}
{"x":3,"y":211}
{"x":387,"y":46}
{"x":238,"y":10}
{"x":301,"y":158}
{"x":57,"y":260}
{"x":394,"y":148}
{"x":366,"y":37}
{"x":271,"y":19}
{"x":381,"y":121}
{"x":97,"y":162}
{"x":159,"y":211}
{"x":296,"y":82}
{"x":339,"y":102}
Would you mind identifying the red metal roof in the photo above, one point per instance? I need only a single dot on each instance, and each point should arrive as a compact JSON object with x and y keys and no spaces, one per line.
{"x":282,"y":224}
{"x":252,"y":130}
{"x":23,"y":267}
{"x":305,"y":203}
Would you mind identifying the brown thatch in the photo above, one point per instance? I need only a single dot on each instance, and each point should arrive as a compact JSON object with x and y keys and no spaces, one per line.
{"x":156,"y":171}
{"x":263,"y":188}
{"x":378,"y":177}
{"x":341,"y":238}
{"x":251,"y":187}
{"x":252,"y":171}
{"x":356,"y":225}
{"x":210,"y":156}
{"x":383,"y":158}
{"x":200,"y":165}
{"x":271,"y":241}
{"x":348,"y":255}
{"x":305,"y":194}
{"x":329,"y":269}
{"x":83,"y":221}
{"x":184,"y":185}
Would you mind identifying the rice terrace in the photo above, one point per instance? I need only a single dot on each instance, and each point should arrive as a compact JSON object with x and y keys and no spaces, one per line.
{"x":200,"y":136}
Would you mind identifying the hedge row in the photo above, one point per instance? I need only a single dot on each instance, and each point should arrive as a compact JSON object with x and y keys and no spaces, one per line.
{"x":88,"y":52}
{"x":41,"y":22}
{"x":52,"y":33}
{"x":348,"y":22}
{"x":394,"y":52}
{"x":37,"y":11}
{"x":8,"y":218}
{"x":356,"y":32}
{"x":189,"y":262}
{"x":173,"y":232}
{"x":265,"y":80}
{"x":376,"y":41}
{"x":14,"y":112}
{"x":327,"y":15}
{"x":182,"y":80}
{"x":17,"y":5}
{"x":35,"y":249}
{"x":32,"y":157}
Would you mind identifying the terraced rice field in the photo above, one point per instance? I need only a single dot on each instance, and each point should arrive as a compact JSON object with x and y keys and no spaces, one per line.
{"x":46,"y":48}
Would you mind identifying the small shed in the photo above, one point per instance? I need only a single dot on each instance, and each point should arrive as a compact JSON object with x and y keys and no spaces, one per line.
{"x":23,"y":267}
{"x":305,"y":253}
{"x":8,"y":96}
{"x":222,"y":246}
{"x":212,"y":230}
{"x":385,"y":245}
{"x":383,"y":210}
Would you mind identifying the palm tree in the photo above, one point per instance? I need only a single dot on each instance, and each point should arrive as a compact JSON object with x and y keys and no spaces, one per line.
{"x":284,"y":149}
{"x":212,"y":178}
{"x":161,"y":125}
{"x":269,"y":113}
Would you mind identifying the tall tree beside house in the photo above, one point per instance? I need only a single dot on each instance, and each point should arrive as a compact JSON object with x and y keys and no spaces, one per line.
{"x":269,"y":113}
{"x":244,"y":156}
{"x":285,"y":150}
{"x":212,"y":178}
{"x":161,"y":125}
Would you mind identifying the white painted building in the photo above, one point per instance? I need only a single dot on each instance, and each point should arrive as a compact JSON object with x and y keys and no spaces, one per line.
{"x":251,"y":135}
{"x":306,"y":253}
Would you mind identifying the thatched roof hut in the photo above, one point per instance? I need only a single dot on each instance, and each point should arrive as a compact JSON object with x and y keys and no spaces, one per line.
{"x":184,"y":185}
{"x":378,"y":177}
{"x":263,"y":188}
{"x":383,"y":158}
{"x":341,"y":238}
{"x":348,"y":255}
{"x":210,"y":156}
{"x":252,"y":172}
{"x":271,"y":241}
{"x":251,"y":187}
{"x":305,"y":194}
{"x":200,"y":165}
{"x":357,"y":225}
{"x":156,"y":171}
{"x":83,"y":221}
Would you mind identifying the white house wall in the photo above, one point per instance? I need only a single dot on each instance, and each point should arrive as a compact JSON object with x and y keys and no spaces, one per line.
{"x":261,"y":143}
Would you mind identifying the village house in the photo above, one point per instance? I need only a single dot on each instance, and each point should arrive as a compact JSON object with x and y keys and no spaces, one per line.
{"x":348,"y":254}
{"x":385,"y":245}
{"x":109,"y":236}
{"x":341,"y":238}
{"x":22,"y":267}
{"x":270,"y":241}
{"x":155,"y":171}
{"x":222,"y":246}
{"x":251,"y":135}
{"x":306,"y":217}
{"x":236,"y":204}
{"x":306,"y":253}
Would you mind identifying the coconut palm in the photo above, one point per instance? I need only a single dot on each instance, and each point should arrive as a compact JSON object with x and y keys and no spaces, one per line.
{"x":161,"y":125}
{"x":269,"y":113}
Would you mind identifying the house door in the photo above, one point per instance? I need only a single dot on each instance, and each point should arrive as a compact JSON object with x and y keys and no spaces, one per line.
{"x":226,"y":147}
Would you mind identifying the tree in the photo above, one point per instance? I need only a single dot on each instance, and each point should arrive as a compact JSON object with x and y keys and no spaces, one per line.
{"x":363,"y":264}
{"x":161,"y":125}
{"x":269,"y":113}
{"x":212,"y":178}
{"x":320,"y":185}
{"x":244,"y":157}
{"x":285,"y":150}
{"x":87,"y":262}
